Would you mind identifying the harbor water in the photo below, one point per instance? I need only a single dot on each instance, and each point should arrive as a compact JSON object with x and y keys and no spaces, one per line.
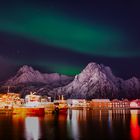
{"x":75,"y":125}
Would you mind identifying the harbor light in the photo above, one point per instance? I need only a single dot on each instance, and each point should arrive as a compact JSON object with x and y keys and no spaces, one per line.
{"x":133,"y":104}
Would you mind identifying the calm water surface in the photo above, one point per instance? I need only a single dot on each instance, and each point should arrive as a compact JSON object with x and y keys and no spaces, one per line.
{"x":76,"y":125}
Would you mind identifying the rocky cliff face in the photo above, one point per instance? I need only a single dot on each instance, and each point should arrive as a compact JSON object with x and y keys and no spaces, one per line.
{"x":95,"y":81}
{"x":98,"y":81}
{"x":132,"y":87}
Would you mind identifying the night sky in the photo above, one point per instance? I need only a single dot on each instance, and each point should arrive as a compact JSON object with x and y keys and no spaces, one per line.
{"x":65,"y":35}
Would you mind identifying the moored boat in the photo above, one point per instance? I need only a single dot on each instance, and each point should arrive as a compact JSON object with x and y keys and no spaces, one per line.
{"x":60,"y":106}
{"x":49,"y":107}
{"x":29,"y":111}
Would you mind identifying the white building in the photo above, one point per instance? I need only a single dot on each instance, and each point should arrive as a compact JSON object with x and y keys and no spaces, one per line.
{"x":76,"y":102}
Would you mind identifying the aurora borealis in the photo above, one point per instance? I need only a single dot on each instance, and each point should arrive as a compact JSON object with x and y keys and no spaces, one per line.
{"x":64,"y":36}
{"x":55,"y":29}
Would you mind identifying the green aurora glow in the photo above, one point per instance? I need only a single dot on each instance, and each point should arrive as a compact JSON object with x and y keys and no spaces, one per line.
{"x":60,"y":30}
{"x":63,"y":68}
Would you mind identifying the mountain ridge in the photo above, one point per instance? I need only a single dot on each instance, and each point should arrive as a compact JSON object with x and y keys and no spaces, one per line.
{"x":26,"y":74}
{"x":94,"y":81}
{"x":98,"y":81}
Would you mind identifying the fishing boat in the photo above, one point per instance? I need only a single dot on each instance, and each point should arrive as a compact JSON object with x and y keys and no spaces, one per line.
{"x":60,"y":106}
{"x":32,"y":106}
{"x":29,"y":111}
{"x":49,"y":107}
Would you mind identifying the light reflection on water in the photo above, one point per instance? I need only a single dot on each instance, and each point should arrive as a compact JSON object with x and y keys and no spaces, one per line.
{"x":72,"y":124}
{"x":32,"y":128}
{"x":75,"y":125}
{"x":134,"y":125}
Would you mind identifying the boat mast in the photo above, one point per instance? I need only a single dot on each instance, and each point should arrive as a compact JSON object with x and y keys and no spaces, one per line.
{"x":8,"y":89}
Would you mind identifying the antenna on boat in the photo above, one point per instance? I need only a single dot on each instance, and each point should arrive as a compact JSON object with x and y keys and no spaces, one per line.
{"x":8,"y":89}
{"x":58,"y":97}
{"x":62,"y":97}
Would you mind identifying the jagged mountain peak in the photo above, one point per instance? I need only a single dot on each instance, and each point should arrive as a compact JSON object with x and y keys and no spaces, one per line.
{"x":96,"y":71}
{"x":26,"y":68}
{"x":98,"y":81}
{"x":132,"y":81}
{"x":91,"y":67}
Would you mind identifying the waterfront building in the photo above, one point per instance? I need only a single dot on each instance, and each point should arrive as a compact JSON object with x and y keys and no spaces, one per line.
{"x":106,"y":103}
{"x":100,"y":103}
{"x":118,"y":104}
{"x":135,"y":103}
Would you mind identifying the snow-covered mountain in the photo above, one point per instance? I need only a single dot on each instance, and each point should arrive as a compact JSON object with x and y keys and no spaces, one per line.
{"x":95,"y":81}
{"x":132,"y":87}
{"x":98,"y":81}
{"x":27,"y":74}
